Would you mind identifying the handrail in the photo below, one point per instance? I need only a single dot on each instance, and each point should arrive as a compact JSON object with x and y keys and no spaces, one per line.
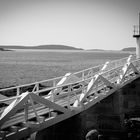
{"x":58,"y":78}
{"x":68,"y":84}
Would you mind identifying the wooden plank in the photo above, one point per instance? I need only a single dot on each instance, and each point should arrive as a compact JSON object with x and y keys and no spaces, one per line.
{"x":48,"y":103}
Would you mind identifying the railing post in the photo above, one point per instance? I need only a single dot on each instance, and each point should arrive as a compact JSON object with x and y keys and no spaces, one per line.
{"x":52,"y":92}
{"x":52,"y":95}
{"x":37,"y":86}
{"x":68,"y":97}
{"x":83,"y":75}
{"x":33,"y":106}
{"x":18,"y":91}
{"x":26,"y":111}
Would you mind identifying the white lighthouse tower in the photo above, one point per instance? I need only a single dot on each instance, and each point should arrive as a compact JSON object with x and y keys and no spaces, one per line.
{"x":137,"y":36}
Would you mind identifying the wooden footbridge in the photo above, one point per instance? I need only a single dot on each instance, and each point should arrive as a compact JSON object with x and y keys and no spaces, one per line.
{"x":39,"y":105}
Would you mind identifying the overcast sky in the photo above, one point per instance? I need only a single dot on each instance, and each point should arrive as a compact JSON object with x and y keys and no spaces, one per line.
{"x":87,"y":24}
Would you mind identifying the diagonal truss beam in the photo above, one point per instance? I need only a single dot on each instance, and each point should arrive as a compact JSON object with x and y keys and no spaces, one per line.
{"x":125,"y":69}
{"x":107,"y":82}
{"x":48,"y":103}
{"x":13,"y":107}
{"x":93,"y":83}
{"x":21,"y":103}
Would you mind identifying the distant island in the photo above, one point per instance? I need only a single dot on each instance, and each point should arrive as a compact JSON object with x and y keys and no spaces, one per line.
{"x":42,"y":47}
{"x":130,"y":49}
{"x":2,"y":49}
{"x":56,"y":47}
{"x":96,"y":50}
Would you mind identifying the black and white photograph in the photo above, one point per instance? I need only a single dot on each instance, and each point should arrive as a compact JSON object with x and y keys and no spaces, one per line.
{"x":69,"y":69}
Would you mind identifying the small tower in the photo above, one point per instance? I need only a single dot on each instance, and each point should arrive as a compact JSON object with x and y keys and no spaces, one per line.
{"x":137,"y":36}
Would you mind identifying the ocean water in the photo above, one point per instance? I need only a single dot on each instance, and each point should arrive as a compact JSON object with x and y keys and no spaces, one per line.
{"x":25,"y":66}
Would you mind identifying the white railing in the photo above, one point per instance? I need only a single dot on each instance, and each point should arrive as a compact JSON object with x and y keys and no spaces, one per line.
{"x":71,"y":95}
{"x":84,"y":74}
{"x":111,"y":73}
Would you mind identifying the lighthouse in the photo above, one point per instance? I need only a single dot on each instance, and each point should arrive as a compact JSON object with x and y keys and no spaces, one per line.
{"x":137,"y":36}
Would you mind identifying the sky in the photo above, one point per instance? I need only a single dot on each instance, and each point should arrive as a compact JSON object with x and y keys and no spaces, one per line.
{"x":87,"y":24}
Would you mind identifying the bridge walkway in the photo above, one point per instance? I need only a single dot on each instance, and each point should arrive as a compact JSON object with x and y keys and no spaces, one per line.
{"x":48,"y":102}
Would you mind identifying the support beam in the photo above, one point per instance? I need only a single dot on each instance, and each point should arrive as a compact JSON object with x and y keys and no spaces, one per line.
{"x":137,"y":36}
